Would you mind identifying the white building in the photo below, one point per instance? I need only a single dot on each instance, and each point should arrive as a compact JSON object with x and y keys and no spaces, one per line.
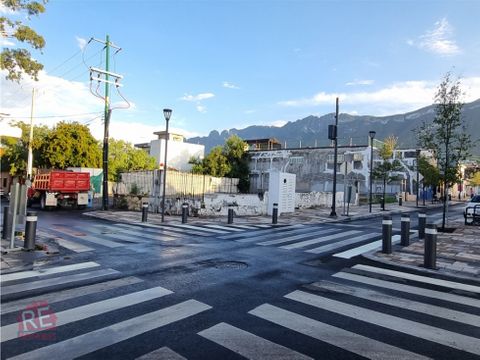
{"x":179,"y":152}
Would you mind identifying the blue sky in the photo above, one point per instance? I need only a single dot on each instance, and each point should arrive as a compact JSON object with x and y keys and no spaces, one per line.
{"x":225,"y":64}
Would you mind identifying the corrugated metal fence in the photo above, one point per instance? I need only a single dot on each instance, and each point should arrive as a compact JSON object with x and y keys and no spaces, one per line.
{"x":179,"y":184}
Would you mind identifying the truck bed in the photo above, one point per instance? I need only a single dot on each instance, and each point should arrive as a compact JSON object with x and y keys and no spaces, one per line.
{"x":62,"y":181}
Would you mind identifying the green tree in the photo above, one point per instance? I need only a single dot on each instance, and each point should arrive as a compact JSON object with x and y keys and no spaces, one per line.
{"x":231,"y":160}
{"x":446,"y":137}
{"x":15,"y":154}
{"x":475,"y":179}
{"x":431,"y":176}
{"x":122,"y":157}
{"x":17,"y":60}
{"x":388,"y":166}
{"x":71,"y":144}
{"x":238,"y":158}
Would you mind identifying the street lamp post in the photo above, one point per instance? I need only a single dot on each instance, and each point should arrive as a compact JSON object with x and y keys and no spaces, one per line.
{"x":417,"y":153}
{"x":334,"y":137}
{"x":371,"y":135}
{"x":166,"y":113}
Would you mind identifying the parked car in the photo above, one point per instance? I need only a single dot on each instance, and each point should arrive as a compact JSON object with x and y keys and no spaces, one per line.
{"x":471,"y":213}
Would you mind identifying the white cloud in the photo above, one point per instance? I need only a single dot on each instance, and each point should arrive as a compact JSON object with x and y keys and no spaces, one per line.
{"x":5,"y":42}
{"x":360,"y":82}
{"x":81,"y":42}
{"x":228,"y":85}
{"x":278,"y":123}
{"x":4,"y":10}
{"x":202,"y":109}
{"x":397,"y":97}
{"x":57,"y":99}
{"x":438,"y":40}
{"x":248,"y":112}
{"x":198,"y":97}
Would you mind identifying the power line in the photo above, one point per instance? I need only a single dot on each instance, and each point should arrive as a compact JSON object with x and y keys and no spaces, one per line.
{"x":49,"y":116}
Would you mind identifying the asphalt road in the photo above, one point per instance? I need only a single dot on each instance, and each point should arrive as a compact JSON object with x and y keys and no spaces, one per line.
{"x":215,"y":292}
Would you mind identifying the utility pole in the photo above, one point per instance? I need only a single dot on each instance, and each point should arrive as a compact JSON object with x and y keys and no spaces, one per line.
{"x":334,"y":137}
{"x":30,"y":140}
{"x":107,"y":112}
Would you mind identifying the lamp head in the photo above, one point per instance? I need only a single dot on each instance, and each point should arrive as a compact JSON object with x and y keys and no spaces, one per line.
{"x":372,"y":134}
{"x":167,"y":113}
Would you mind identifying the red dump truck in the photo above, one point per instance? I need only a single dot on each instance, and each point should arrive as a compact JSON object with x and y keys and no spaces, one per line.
{"x":60,"y":188}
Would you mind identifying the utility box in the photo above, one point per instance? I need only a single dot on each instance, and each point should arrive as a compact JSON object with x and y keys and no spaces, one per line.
{"x":281,"y":191}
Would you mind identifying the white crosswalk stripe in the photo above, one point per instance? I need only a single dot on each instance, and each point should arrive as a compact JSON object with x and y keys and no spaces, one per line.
{"x":307,"y":238}
{"x":47,"y":271}
{"x":338,"y":298}
{"x":115,"y":296}
{"x":420,"y":278}
{"x":344,"y":339}
{"x":164,"y":353}
{"x":124,"y":330}
{"x":10,"y":332}
{"x":453,"y":298}
{"x":247,"y":344}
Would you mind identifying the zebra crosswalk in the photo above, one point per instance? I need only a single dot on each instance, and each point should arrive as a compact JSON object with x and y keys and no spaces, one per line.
{"x":35,"y":317}
{"x":91,"y":236}
{"x":365,"y":311}
{"x":359,"y":314}
{"x":317,"y":239}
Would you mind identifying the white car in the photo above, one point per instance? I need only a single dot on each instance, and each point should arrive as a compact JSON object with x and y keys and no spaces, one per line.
{"x":472,"y":210}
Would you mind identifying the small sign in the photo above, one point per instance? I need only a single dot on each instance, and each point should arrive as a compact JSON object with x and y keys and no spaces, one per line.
{"x":37,"y":322}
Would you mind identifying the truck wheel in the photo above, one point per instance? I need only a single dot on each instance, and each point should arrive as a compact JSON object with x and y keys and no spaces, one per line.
{"x":42,"y":202}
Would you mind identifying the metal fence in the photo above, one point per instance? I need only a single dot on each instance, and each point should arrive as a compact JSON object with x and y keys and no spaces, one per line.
{"x":178,"y":184}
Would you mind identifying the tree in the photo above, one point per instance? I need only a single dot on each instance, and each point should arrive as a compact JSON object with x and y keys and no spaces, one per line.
{"x":122,"y":156}
{"x":430,"y":173}
{"x":475,"y":179}
{"x":446,"y":137}
{"x":71,"y":144}
{"x":14,"y":158}
{"x":16,"y":60}
{"x":231,"y":160}
{"x":388,"y":166}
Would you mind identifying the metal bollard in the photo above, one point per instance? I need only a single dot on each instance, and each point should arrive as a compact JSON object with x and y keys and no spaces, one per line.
{"x":400,"y":199}
{"x":422,"y":220}
{"x":230,"y":215}
{"x":184,"y":213}
{"x":5,"y":227}
{"x":430,"y":254}
{"x":275,"y":213}
{"x":30,"y":230}
{"x":144,"y":212}
{"x":405,"y":228}
{"x":387,"y":234}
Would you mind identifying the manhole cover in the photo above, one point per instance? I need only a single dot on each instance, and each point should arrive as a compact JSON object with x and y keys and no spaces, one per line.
{"x":231,"y":265}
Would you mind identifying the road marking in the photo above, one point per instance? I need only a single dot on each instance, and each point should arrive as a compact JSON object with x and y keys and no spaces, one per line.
{"x":198,"y":228}
{"x":98,"y":339}
{"x":268,"y":230}
{"x":458,"y":299}
{"x":10,"y":332}
{"x":319,"y":240}
{"x":284,"y":239}
{"x":63,"y":295}
{"x":12,"y":289}
{"x":47,"y":271}
{"x":339,"y":244}
{"x":376,"y":296}
{"x":365,"y":248}
{"x":164,"y":353}
{"x":151,"y":228}
{"x":412,"y":328}
{"x":70,"y":245}
{"x":291,"y":232}
{"x":341,"y":338}
{"x":229,"y":228}
{"x":83,"y":236}
{"x":424,"y":279}
{"x":248,"y":227}
{"x":247,"y":344}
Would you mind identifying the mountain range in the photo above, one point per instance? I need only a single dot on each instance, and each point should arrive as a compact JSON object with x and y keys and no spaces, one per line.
{"x":312,"y":131}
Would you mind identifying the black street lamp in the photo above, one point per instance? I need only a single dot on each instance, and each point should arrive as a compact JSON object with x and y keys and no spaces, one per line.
{"x":371,"y":135}
{"x":166,"y":113}
{"x":417,"y":153}
{"x":333,"y":136}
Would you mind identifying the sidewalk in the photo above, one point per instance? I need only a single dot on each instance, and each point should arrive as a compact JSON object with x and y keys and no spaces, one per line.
{"x":458,"y":253}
